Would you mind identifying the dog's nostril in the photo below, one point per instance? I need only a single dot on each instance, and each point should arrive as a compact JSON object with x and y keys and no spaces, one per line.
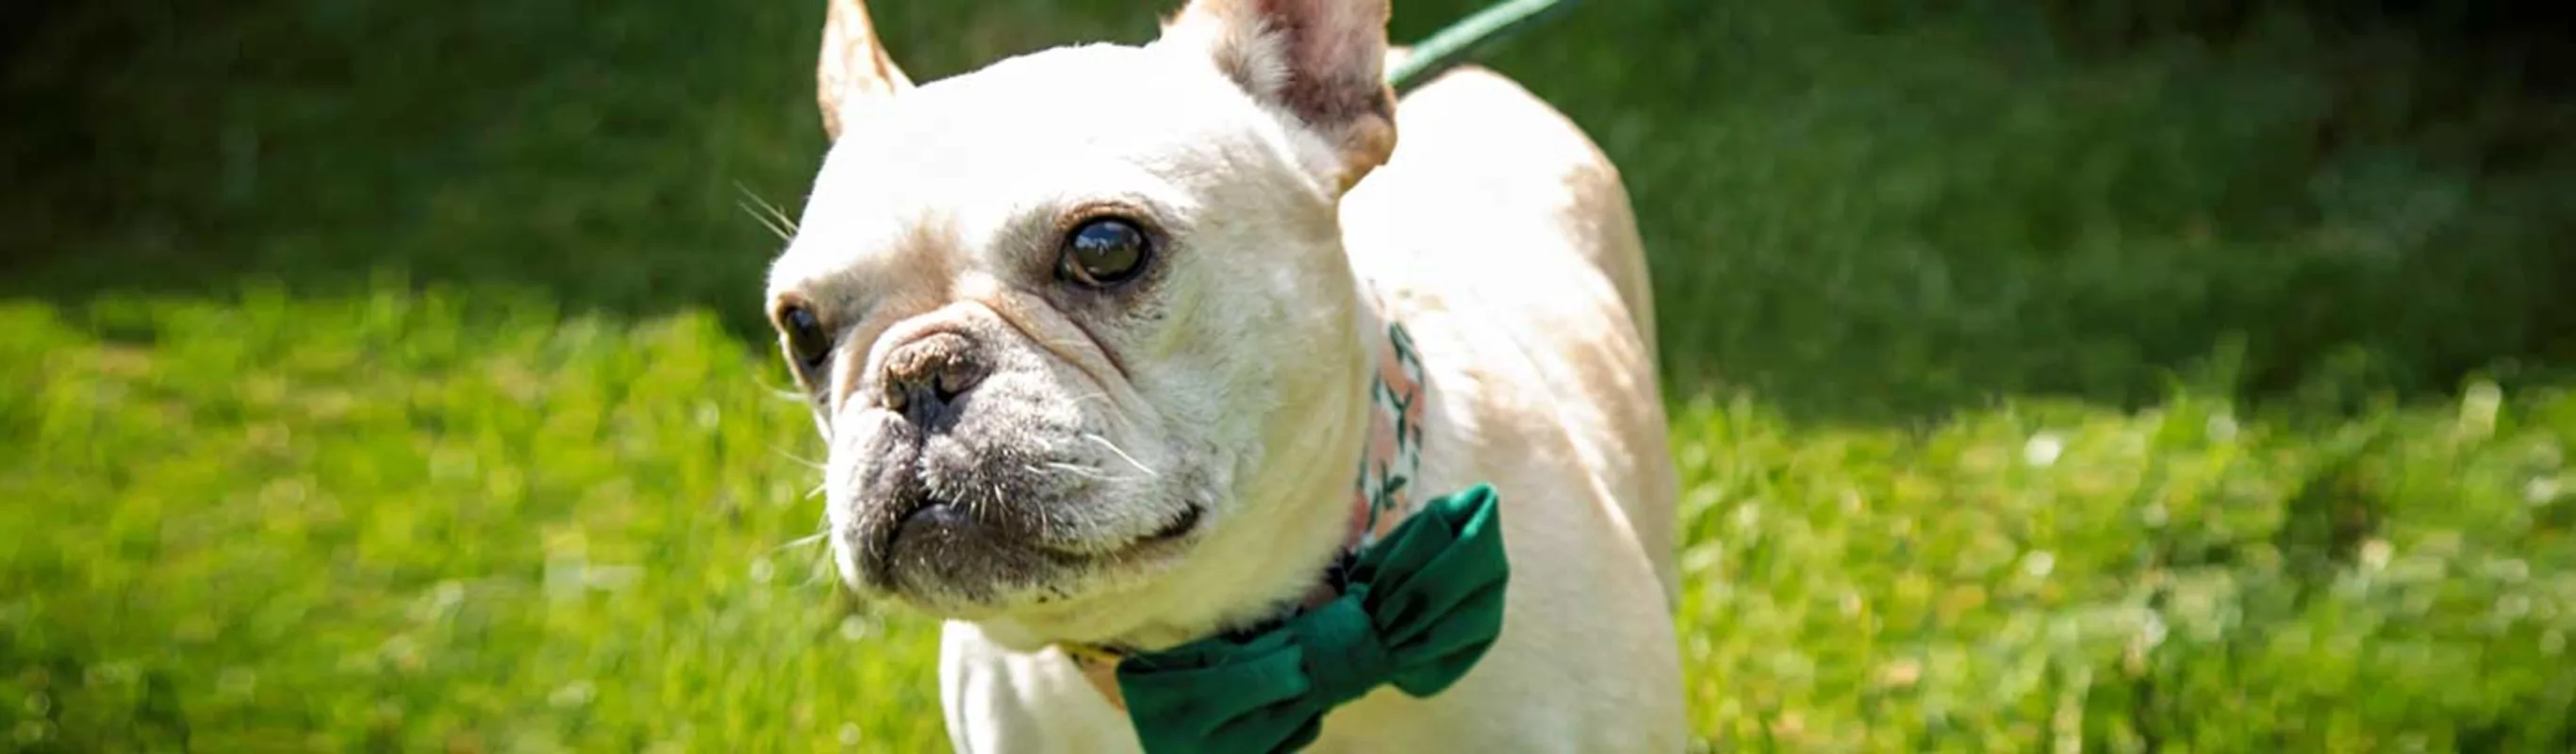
{"x":924,"y":376}
{"x":956,"y":381}
{"x":921,"y":397}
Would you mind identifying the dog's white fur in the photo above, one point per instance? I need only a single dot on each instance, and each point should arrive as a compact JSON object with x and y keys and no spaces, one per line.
{"x":1498,"y":233}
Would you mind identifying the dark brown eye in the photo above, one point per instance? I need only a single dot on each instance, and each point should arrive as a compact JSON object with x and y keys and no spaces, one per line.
{"x":807,"y":342}
{"x":1104,"y":252}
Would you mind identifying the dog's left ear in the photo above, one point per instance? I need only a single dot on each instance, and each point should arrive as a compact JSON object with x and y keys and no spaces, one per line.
{"x":1321,"y":62}
{"x":854,"y":69}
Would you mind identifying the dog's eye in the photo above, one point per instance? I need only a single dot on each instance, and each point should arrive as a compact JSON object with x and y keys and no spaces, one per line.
{"x":1104,"y":252}
{"x":807,"y":342}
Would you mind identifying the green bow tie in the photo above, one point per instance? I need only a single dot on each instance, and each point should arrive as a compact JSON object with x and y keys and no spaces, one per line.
{"x":1421,"y":607}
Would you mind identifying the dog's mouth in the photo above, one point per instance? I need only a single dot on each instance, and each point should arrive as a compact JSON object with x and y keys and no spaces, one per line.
{"x":928,"y":531}
{"x":1181,"y":525}
{"x":928,"y":511}
{"x":920,"y":515}
{"x":1164,"y":539}
{"x":933,"y":512}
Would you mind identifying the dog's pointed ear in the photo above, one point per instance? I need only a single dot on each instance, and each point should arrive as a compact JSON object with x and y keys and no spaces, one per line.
{"x":1321,"y":62}
{"x":854,"y":69}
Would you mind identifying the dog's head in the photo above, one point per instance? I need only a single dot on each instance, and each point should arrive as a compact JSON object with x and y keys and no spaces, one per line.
{"x":1056,"y":316}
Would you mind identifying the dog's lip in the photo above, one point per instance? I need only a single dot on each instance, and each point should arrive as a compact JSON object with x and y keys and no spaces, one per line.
{"x":1174,"y":530}
{"x":882,"y":569}
{"x":929,"y":507}
{"x":1181,"y":525}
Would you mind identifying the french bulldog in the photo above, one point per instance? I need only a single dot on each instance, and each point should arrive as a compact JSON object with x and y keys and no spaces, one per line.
{"x":1108,"y":344}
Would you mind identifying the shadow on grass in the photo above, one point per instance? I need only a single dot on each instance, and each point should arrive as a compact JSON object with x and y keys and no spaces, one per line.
{"x":1866,"y":211}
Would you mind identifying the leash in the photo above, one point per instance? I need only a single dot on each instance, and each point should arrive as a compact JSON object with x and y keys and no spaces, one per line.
{"x":1454,"y":44}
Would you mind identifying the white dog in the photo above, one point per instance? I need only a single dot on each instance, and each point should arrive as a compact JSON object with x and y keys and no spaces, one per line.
{"x":1122,"y":347}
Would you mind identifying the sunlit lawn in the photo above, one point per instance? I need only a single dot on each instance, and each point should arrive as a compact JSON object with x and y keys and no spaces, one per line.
{"x":395,"y":382}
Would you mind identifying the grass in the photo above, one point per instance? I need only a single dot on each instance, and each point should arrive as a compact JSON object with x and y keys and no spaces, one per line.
{"x":2041,"y":375}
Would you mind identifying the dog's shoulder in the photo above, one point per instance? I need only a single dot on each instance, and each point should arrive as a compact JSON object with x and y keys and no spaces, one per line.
{"x":1503,"y":235}
{"x":1487,"y":170}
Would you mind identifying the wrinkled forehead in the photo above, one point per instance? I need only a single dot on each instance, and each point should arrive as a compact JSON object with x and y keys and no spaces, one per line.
{"x":978,"y":152}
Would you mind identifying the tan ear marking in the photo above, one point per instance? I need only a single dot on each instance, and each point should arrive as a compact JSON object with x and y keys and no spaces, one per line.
{"x":853,"y":67}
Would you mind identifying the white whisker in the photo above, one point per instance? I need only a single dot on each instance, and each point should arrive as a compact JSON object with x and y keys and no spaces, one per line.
{"x":775,"y":229}
{"x":1047,"y":523}
{"x":760,"y":209}
{"x":820,"y":569}
{"x":1122,"y":454}
{"x":1086,"y":472}
{"x":790,"y":393}
{"x":814,"y":538}
{"x":807,"y":462}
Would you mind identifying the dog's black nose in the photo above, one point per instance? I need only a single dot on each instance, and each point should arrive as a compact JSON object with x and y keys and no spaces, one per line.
{"x":924,"y":378}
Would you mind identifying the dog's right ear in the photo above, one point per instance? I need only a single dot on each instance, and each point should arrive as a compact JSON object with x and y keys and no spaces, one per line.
{"x":1320,"y":62}
{"x":854,"y":70}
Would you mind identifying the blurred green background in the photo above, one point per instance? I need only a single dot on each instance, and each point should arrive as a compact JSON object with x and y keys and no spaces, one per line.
{"x":2120,"y":375}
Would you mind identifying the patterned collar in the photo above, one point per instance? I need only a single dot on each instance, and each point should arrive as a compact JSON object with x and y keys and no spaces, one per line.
{"x":1382,"y":492}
